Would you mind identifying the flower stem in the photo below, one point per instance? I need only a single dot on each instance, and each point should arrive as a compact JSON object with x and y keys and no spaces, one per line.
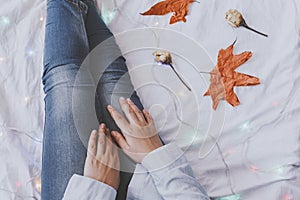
{"x":184,"y":83}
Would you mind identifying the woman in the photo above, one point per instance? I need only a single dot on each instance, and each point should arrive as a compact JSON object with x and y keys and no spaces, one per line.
{"x":73,"y":29}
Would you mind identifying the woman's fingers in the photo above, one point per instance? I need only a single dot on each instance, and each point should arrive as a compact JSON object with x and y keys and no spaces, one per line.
{"x":120,"y":140}
{"x":107,"y":132}
{"x":129,"y":113}
{"x":110,"y":144}
{"x":137,"y":111}
{"x":101,"y":147}
{"x":92,"y":143}
{"x":147,"y":116}
{"x":121,"y":122}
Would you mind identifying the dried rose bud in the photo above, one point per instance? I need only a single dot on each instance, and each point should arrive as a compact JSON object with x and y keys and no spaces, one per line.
{"x":234,"y":17}
{"x":162,"y":57}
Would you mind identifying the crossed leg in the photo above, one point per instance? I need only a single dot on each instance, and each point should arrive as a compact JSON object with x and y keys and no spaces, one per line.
{"x":73,"y":29}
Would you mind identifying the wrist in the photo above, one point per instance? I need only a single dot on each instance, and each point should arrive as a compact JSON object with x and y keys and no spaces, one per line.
{"x":156,"y":143}
{"x":162,"y":157}
{"x":110,"y":181}
{"x":114,"y":183}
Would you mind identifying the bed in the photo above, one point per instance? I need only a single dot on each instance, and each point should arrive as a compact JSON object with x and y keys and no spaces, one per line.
{"x":247,"y":152}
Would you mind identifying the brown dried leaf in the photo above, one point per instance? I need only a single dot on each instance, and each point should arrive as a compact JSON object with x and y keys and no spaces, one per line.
{"x":223,"y":78}
{"x":179,"y":8}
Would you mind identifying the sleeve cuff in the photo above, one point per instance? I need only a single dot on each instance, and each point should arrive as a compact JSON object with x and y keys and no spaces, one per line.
{"x":84,"y":188}
{"x":162,"y":157}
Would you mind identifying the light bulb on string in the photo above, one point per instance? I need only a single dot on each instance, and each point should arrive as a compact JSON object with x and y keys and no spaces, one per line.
{"x":230,"y":151}
{"x":254,"y":169}
{"x":287,"y":196}
{"x":275,"y":104}
{"x":38,"y":184}
{"x":232,"y":197}
{"x":156,"y":24}
{"x":246,"y":126}
{"x":279,"y":170}
{"x":107,"y":15}
{"x":27,"y":99}
{"x":30,"y":52}
{"x":4,"y":21}
{"x":181,"y":93}
{"x":18,"y":184}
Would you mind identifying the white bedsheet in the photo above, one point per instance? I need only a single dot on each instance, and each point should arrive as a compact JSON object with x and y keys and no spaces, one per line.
{"x":21,"y":98}
{"x":260,"y":138}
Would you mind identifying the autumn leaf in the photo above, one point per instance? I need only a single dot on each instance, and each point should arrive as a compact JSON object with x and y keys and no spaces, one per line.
{"x":223,"y":78}
{"x":179,"y":8}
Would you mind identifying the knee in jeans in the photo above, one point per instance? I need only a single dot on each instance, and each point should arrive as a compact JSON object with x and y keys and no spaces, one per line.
{"x":60,"y":77}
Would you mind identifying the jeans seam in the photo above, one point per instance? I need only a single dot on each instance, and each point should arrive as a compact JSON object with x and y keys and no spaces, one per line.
{"x":83,"y":26}
{"x":81,"y":5}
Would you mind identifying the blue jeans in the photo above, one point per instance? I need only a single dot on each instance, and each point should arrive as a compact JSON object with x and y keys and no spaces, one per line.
{"x":73,"y":29}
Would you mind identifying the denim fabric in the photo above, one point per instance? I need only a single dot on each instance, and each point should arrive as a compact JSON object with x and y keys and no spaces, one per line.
{"x":73,"y":29}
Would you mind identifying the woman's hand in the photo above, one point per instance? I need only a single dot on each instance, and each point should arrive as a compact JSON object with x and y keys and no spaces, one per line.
{"x":139,"y":133}
{"x":102,"y":162}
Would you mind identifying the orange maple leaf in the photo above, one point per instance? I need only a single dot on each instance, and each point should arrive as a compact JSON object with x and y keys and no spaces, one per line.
{"x":179,"y":8}
{"x":223,"y":77}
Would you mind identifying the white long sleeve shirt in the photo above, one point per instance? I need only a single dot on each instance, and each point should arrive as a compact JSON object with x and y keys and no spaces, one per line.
{"x":163,"y":174}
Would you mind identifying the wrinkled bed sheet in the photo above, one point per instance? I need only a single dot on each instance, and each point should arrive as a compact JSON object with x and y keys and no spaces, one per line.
{"x":257,"y":154}
{"x":248,"y":152}
{"x":21,"y":98}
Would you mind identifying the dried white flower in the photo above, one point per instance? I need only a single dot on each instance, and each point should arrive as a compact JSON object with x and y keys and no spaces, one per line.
{"x":162,"y":57}
{"x":234,"y":17}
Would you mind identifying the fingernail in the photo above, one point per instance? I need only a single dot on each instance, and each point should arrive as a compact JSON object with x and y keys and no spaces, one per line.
{"x":102,"y":126}
{"x":114,"y":133}
{"x":128,"y":100}
{"x":122,"y":99}
{"x":94,"y":132}
{"x":109,"y":107}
